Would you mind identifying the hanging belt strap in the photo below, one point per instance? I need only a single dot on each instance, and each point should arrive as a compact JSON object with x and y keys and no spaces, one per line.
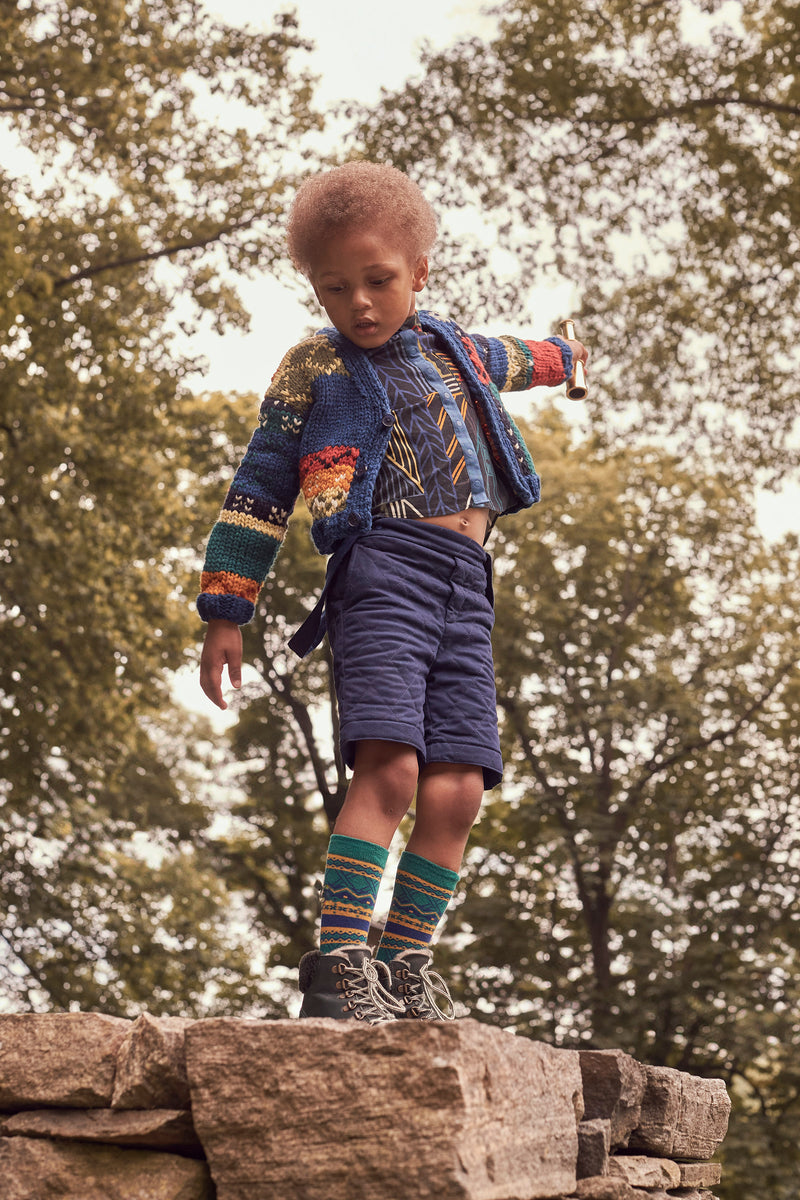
{"x":312,"y":631}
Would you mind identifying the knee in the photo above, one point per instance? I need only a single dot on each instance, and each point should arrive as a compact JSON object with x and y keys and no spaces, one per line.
{"x":390,"y":771}
{"x":451,"y":799}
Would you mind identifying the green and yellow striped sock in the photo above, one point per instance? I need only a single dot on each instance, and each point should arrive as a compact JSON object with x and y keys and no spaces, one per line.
{"x":353,"y":873}
{"x":422,"y":892}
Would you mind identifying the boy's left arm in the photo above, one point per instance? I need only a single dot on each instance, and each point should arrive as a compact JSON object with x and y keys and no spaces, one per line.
{"x":515,"y":364}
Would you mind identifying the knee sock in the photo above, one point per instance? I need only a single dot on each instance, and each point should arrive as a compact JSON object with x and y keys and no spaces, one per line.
{"x":353,"y":873}
{"x":422,"y":892}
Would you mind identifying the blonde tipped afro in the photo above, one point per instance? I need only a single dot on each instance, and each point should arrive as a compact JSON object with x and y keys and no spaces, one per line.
{"x":359,"y":196}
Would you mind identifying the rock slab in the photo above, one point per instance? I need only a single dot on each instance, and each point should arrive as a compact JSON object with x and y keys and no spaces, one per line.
{"x":151,"y":1065}
{"x":613,"y":1090}
{"x":41,"y":1170}
{"x":594,"y":1143}
{"x":642,"y":1172}
{"x":331,"y":1110}
{"x":58,"y":1060}
{"x":682,"y":1115}
{"x":156,"y":1129}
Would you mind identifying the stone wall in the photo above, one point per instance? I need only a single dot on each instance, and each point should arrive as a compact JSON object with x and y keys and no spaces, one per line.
{"x":98,"y":1108}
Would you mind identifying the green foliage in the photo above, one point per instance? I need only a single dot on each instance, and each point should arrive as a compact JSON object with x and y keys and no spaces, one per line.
{"x":132,"y":203}
{"x":649,"y":154}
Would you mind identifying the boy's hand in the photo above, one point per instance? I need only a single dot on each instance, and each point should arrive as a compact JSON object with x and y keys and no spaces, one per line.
{"x":579,"y":351}
{"x":223,"y":645}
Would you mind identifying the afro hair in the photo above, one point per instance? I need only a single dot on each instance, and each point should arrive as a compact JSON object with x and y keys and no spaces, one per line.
{"x":359,"y":195}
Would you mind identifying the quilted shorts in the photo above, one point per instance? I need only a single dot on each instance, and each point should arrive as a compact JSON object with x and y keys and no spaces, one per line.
{"x":410,"y":614}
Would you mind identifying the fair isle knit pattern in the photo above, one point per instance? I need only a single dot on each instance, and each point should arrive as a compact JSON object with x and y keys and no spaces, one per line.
{"x":353,"y":873}
{"x":324,"y":427}
{"x":422,"y":892}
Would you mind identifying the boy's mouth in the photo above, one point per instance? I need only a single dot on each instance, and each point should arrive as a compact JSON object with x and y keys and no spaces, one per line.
{"x":365,"y":328}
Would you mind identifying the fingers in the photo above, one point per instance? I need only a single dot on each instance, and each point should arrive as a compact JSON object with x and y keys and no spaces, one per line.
{"x":222,"y":647}
{"x":579,"y":351}
{"x":235,"y":673}
{"x":211,"y":683}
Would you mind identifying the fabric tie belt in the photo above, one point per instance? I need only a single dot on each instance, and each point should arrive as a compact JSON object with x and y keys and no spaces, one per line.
{"x":312,"y":631}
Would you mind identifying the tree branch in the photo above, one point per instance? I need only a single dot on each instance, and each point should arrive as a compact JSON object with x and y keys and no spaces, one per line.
{"x":653,"y":769}
{"x":198,"y":243}
{"x":692,"y":106}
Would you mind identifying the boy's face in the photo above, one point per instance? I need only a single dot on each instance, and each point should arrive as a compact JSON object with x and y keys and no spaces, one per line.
{"x":366,"y":285}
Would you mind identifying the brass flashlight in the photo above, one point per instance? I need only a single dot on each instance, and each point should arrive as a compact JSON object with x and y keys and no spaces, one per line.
{"x":577,"y":388}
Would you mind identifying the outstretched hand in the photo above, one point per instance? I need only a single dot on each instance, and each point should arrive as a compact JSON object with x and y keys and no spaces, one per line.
{"x":579,"y":351}
{"x":222,"y":647}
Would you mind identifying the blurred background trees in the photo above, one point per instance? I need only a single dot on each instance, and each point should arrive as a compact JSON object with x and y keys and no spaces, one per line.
{"x":131,"y":211}
{"x":635,"y":880}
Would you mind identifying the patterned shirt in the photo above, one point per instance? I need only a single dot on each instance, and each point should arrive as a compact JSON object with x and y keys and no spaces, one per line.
{"x":438,"y":460}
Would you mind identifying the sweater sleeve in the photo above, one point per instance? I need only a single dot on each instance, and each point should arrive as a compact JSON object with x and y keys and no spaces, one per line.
{"x":514,"y":365}
{"x":251,"y":526}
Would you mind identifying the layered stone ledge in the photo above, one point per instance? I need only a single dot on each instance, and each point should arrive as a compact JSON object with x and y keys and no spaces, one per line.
{"x":169,"y":1109}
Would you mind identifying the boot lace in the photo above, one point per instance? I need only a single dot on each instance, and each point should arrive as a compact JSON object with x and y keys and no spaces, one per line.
{"x":366,"y":996}
{"x":420,"y":990}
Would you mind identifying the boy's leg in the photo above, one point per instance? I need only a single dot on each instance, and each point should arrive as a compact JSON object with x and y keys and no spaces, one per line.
{"x":385,"y":776}
{"x":340,"y":980}
{"x":448,"y":801}
{"x":449,"y":797}
{"x":380,"y":792}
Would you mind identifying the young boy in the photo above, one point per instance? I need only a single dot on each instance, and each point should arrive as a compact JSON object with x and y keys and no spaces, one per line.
{"x":391,"y":424}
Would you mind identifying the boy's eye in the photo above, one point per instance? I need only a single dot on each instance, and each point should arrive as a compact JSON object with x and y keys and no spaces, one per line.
{"x":380,"y":282}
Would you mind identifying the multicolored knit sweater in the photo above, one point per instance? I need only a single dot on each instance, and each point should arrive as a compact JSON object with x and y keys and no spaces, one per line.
{"x":324,"y":426}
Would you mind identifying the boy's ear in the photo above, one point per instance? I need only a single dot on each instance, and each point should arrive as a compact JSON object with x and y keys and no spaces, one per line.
{"x":420,"y":275}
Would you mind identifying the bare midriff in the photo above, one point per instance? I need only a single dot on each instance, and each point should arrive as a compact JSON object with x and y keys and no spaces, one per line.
{"x":472,"y":522}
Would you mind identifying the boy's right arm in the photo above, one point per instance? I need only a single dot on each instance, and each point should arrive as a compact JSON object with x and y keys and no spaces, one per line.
{"x":250,"y":529}
{"x":222,"y":647}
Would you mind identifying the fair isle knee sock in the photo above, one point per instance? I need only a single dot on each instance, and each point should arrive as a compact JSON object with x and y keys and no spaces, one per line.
{"x":353,"y":873}
{"x":422,"y":892}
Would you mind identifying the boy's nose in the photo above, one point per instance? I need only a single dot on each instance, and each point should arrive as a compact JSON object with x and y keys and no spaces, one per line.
{"x":360,"y":299}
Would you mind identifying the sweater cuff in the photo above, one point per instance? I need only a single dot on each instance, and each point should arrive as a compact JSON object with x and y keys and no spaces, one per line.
{"x":566,"y":355}
{"x":224,"y":608}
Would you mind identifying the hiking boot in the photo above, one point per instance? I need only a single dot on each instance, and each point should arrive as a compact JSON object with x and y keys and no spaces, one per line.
{"x":347,"y":985}
{"x":417,"y":986}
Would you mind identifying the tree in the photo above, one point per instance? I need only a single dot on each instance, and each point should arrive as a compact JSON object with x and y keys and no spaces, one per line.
{"x":134,"y":202}
{"x":649,"y":154}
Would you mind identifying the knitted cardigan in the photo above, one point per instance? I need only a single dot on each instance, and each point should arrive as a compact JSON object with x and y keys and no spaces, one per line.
{"x":324,"y":427}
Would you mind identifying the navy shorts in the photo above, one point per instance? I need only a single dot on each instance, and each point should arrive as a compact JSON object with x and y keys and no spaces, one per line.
{"x":410,"y":616}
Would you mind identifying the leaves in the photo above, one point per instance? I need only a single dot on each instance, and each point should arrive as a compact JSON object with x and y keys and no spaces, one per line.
{"x":129,"y":210}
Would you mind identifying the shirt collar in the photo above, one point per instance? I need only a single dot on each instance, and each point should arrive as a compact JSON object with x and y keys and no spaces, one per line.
{"x":412,"y":323}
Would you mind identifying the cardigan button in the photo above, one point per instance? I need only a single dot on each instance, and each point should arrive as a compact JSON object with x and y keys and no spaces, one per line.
{"x":387,"y":420}
{"x":353,"y":520}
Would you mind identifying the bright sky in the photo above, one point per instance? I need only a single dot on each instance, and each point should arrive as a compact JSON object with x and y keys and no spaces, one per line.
{"x":363,"y":45}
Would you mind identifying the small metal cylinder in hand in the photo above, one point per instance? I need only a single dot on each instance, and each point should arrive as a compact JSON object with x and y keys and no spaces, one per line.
{"x":576,"y":384}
